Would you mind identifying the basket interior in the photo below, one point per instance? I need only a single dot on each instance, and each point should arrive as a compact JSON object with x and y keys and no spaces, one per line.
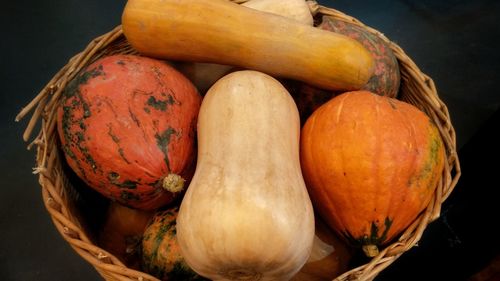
{"x":84,"y":207}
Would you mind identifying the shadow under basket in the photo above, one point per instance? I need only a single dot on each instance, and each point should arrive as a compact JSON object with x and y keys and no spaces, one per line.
{"x":67,"y":202}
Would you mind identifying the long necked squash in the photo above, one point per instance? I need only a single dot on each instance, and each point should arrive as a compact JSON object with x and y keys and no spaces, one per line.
{"x":246,"y":214}
{"x":220,"y":31}
{"x":371,"y":164}
{"x":204,"y":75}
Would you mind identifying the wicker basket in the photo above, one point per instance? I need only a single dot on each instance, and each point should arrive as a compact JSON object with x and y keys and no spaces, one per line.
{"x":62,"y":199}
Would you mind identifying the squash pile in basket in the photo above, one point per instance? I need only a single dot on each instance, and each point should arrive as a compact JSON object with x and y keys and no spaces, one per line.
{"x":198,"y":142}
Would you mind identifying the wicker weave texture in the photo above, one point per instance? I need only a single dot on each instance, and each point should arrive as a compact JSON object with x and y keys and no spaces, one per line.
{"x":416,"y":88}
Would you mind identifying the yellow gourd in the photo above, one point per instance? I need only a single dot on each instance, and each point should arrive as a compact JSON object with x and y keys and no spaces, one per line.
{"x":246,"y":214}
{"x":204,"y":75}
{"x":220,"y":31}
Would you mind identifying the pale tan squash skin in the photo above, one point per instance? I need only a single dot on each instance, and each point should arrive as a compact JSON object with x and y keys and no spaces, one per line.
{"x":293,"y":9}
{"x":220,"y":31}
{"x":246,"y":214}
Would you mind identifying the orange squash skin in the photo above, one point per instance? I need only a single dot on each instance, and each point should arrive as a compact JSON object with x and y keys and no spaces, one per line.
{"x":161,"y":254}
{"x":371,"y":165}
{"x":122,"y":232}
{"x":331,"y":266}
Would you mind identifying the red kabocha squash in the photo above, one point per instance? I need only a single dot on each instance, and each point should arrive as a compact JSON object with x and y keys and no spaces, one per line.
{"x":122,"y":232}
{"x":127,"y":128}
{"x":371,"y":165}
{"x":161,"y":255}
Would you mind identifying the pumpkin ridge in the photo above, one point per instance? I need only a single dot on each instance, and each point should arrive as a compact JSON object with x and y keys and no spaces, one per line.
{"x":379,"y":120}
{"x":394,"y":206}
{"x":339,"y":110}
{"x":329,"y":200}
{"x":323,"y":194}
{"x":345,"y":220}
{"x":405,"y":219}
{"x":416,"y":163}
{"x":342,"y":219}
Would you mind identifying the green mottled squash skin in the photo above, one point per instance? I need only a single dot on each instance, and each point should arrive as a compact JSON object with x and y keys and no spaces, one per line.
{"x":386,"y":77}
{"x":161,"y":255}
{"x":126,"y":123}
{"x":385,"y":80}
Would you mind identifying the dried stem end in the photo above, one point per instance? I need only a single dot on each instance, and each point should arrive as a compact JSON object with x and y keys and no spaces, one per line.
{"x":173,"y":183}
{"x":370,"y":250}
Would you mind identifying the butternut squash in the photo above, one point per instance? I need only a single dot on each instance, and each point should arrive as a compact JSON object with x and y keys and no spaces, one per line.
{"x":246,"y":214}
{"x":220,"y":31}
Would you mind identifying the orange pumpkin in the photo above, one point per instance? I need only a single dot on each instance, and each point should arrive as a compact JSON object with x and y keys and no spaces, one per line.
{"x":371,"y":164}
{"x":122,"y":232}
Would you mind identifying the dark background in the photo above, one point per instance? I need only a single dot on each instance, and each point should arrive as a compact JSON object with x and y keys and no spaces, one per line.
{"x":455,"y":42}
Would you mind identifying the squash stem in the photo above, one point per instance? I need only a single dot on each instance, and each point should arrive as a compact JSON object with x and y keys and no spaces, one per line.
{"x":243,"y":274}
{"x":173,"y":183}
{"x":370,"y":250}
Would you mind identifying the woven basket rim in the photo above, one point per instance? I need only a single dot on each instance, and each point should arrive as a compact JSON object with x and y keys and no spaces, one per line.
{"x":45,"y":103}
